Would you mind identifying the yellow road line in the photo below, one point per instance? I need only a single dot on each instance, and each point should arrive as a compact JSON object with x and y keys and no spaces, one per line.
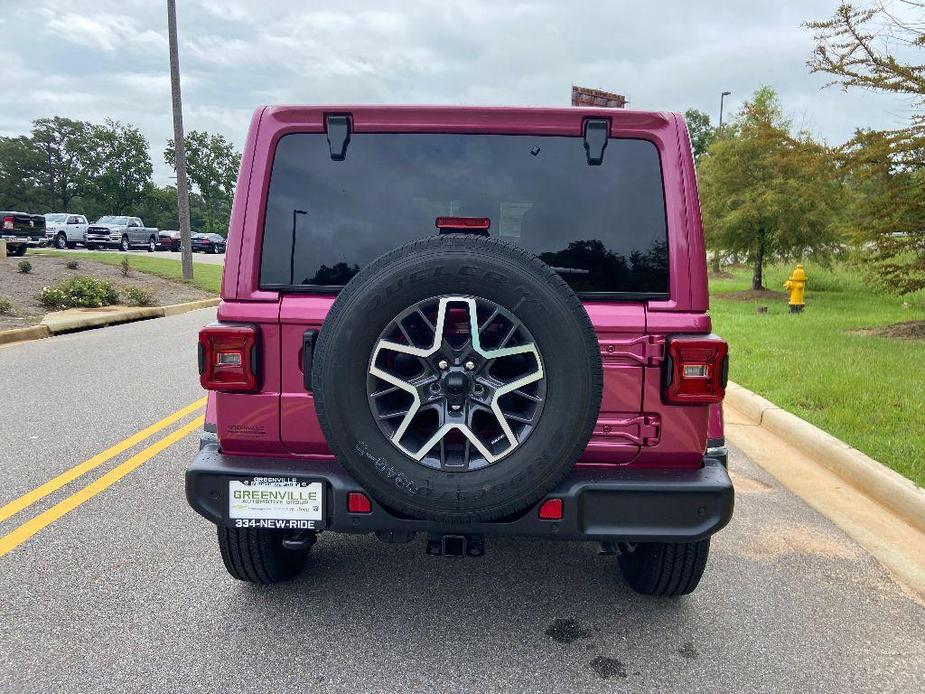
{"x":73,"y":473}
{"x":31,"y":527}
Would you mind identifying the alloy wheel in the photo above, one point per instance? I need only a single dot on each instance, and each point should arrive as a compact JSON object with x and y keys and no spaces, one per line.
{"x":456,"y":382}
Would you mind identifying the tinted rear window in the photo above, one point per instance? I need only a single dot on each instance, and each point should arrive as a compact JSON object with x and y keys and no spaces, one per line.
{"x":602,"y":227}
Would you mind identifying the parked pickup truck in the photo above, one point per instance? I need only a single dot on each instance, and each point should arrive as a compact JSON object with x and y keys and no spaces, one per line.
{"x":65,"y":230}
{"x":116,"y":231}
{"x":21,"y":230}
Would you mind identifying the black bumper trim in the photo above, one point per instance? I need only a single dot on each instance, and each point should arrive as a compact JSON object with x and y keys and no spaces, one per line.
{"x":628,"y":505}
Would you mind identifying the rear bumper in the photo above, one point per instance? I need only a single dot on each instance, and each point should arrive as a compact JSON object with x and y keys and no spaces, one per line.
{"x":31,"y":241}
{"x":599,"y":505}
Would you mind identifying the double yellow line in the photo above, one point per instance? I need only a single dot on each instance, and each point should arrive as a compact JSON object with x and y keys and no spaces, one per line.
{"x":16,"y":537}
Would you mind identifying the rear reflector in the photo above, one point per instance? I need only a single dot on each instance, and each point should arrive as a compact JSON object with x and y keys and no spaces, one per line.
{"x":696,"y":370}
{"x":228,"y":358}
{"x":358,"y":502}
{"x":551,"y":509}
{"x":467,"y":223}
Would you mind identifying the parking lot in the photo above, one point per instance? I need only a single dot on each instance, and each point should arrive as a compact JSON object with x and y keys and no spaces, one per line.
{"x":211,"y":258}
{"x":111,"y":582}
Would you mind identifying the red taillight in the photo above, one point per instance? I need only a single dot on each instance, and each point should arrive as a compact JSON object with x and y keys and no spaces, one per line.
{"x":551,"y":509}
{"x":696,"y":370}
{"x":466,"y":223}
{"x":9,"y":222}
{"x":358,"y":502}
{"x":228,"y":358}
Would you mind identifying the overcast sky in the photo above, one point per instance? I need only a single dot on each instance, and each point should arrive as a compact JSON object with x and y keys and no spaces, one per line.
{"x":95,"y":59}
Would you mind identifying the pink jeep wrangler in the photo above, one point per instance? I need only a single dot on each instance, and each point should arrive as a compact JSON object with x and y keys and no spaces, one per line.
{"x":463,"y":322}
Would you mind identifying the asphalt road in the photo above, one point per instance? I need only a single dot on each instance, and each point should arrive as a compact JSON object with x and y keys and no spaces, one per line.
{"x":126,"y":591}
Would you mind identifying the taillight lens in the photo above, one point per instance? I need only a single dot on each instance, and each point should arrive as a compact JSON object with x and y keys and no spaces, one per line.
{"x":696,"y":370}
{"x":228,"y":358}
{"x":9,"y":222}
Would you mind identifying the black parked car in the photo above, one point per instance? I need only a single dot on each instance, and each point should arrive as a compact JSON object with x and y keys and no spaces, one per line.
{"x":208,"y":243}
{"x":21,"y":230}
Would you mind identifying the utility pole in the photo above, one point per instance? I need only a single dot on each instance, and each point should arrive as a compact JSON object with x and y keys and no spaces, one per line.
{"x":179,"y":148}
{"x":721,"y":98}
{"x":51,"y":176}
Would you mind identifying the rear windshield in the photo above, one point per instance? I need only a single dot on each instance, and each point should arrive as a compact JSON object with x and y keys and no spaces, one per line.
{"x":601,"y":227}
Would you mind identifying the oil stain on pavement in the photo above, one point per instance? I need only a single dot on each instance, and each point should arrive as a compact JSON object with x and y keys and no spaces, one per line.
{"x":566,"y":631}
{"x":608,"y":667}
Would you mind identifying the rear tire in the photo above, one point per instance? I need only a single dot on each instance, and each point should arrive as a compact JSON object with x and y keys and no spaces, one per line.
{"x":665,"y":568}
{"x":258,"y":556}
{"x":152,"y":245}
{"x":16,"y":251}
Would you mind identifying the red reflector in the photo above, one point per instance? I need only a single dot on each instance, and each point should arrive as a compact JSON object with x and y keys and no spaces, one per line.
{"x":227,"y":358}
{"x":551,"y":509}
{"x":9,"y":222}
{"x":696,"y":370}
{"x":358,"y":502}
{"x":463,"y":222}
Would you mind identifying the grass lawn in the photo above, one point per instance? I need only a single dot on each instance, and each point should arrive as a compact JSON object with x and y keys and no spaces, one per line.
{"x":866,"y":389}
{"x":206,"y":276}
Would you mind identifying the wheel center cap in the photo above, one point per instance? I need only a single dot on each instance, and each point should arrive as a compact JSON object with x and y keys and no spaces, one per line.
{"x":456,"y":383}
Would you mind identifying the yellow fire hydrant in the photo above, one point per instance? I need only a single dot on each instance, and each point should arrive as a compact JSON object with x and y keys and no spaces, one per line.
{"x":797,"y":286}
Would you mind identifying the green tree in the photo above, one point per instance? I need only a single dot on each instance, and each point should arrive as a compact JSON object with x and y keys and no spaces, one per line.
{"x":767,"y":193}
{"x":121,"y":166}
{"x":21,"y":166}
{"x":859,"y":48}
{"x":213,"y":169}
{"x":68,"y":148}
{"x":159,"y":208}
{"x":701,"y":132}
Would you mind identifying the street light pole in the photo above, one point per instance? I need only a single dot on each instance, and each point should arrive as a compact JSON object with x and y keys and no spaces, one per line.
{"x":179,"y":148}
{"x":295,"y":214}
{"x":721,"y":97}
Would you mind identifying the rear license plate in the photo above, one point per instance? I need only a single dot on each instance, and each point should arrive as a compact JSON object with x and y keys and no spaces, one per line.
{"x":275,"y":503}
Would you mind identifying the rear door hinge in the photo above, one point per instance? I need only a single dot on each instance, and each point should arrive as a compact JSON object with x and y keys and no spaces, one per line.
{"x":655,"y":350}
{"x":642,"y":430}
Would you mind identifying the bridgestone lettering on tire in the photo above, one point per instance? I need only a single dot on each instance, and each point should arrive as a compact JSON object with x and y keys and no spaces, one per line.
{"x":457,"y":379}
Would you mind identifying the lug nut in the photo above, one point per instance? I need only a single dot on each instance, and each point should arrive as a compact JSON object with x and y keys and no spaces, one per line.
{"x":434,"y":387}
{"x":443,"y":364}
{"x":477,"y":388}
{"x":470,"y":365}
{"x":455,"y":408}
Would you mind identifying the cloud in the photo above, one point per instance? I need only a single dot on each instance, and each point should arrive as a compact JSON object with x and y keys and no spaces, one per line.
{"x":104,"y":32}
{"x":108,"y":58}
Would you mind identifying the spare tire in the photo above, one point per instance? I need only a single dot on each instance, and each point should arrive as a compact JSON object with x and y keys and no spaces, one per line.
{"x":457,"y":379}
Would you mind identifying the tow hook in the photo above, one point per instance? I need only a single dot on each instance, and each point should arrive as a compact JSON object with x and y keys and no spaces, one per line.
{"x":456,"y":545}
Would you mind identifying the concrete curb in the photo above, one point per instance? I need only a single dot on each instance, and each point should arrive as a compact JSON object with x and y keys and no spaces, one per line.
{"x":883,"y":485}
{"x":56,"y":324}
{"x":33,"y":332}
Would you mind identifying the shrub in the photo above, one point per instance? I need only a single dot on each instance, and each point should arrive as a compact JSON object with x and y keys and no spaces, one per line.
{"x":79,"y":292}
{"x":25,"y":267}
{"x":124,"y":266}
{"x":72,"y":265}
{"x":139,"y":296}
{"x":6,"y":307}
